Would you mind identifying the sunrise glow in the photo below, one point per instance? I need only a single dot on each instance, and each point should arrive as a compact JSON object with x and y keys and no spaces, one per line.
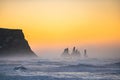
{"x":62,"y":23}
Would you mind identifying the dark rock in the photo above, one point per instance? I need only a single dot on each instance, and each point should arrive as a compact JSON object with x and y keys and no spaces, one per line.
{"x":20,"y":68}
{"x":66,"y":53}
{"x":75,"y":52}
{"x":13,"y":43}
{"x":85,"y":53}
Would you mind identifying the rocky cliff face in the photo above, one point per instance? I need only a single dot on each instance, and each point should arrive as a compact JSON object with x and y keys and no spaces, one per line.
{"x":13,"y":43}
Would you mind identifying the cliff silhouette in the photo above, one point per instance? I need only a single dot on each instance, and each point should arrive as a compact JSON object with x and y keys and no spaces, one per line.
{"x":14,"y":44}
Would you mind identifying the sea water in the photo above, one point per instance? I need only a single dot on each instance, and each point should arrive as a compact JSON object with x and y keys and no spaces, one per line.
{"x":60,"y":69}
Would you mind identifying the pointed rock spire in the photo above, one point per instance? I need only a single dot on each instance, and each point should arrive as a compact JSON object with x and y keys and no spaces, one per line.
{"x":66,"y":52}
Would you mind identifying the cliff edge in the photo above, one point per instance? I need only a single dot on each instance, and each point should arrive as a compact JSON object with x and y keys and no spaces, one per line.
{"x":13,"y":44}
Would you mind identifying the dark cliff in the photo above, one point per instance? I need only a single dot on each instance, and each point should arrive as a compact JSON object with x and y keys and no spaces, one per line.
{"x":13,"y":44}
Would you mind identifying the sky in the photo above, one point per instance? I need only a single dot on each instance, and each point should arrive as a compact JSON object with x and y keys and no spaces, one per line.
{"x":52,"y":25}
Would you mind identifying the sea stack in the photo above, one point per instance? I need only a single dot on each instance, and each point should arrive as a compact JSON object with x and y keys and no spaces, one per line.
{"x":75,"y":52}
{"x":85,"y":53}
{"x":14,"y":44}
{"x":66,"y":53}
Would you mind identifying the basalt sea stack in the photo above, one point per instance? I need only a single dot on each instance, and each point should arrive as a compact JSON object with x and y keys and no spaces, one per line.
{"x":13,"y":44}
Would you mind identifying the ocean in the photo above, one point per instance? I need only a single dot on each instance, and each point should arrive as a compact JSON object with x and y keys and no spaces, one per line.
{"x":60,"y":69}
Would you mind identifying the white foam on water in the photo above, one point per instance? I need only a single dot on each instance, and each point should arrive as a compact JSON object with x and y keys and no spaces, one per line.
{"x":83,"y":75}
{"x":37,"y":67}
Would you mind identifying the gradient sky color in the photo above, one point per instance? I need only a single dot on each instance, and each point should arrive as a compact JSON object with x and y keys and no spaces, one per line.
{"x":52,"y":25}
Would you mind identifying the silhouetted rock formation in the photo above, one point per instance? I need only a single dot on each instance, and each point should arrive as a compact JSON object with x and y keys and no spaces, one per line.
{"x":85,"y":53}
{"x":75,"y":53}
{"x":13,"y":44}
{"x":66,"y":53}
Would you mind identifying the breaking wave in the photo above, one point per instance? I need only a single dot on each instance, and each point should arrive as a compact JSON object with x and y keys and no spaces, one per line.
{"x":43,"y":69}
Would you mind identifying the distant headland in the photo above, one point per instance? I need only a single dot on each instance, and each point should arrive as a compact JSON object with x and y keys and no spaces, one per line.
{"x":14,"y":44}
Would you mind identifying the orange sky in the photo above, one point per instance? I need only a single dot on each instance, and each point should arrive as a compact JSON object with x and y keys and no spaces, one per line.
{"x":63,"y":23}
